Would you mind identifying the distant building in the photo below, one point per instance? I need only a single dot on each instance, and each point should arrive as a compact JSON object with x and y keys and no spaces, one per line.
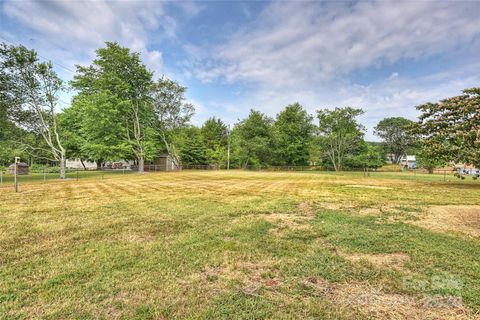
{"x":467,"y":170}
{"x":164,"y":162}
{"x":77,"y":164}
{"x":92,"y":165}
{"x":409,"y":161}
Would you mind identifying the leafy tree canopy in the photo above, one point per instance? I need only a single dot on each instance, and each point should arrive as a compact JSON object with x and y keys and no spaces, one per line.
{"x":115,"y":91}
{"x":28,"y":96}
{"x":339,"y":133}
{"x":292,"y":133}
{"x":451,"y":128}
{"x":396,"y":136}
{"x":253,"y":140}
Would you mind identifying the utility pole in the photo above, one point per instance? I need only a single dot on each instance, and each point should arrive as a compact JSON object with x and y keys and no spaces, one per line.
{"x":17,"y":160}
{"x":228,"y":148}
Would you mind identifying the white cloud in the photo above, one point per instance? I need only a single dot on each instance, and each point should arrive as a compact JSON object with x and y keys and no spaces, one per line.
{"x":297,"y":42}
{"x":385,"y":98}
{"x":393,"y":76}
{"x":305,"y":52}
{"x":70,"y":31}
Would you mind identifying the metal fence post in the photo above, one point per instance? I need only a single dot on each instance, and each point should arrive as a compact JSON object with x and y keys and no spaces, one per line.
{"x":44,"y":175}
{"x":1,"y":177}
{"x":17,"y":159}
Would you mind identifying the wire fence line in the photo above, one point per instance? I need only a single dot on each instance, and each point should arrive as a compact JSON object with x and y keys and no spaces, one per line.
{"x":322,"y":168}
{"x":50,"y":174}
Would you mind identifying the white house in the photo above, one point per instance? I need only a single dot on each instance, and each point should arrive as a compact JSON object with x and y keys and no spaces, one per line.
{"x":467,"y":170}
{"x":77,"y":164}
{"x":409,"y":161}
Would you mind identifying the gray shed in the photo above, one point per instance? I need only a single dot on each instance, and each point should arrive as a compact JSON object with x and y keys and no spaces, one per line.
{"x":164,"y":162}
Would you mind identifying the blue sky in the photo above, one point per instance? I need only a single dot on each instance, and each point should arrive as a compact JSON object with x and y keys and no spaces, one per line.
{"x":385,"y":57}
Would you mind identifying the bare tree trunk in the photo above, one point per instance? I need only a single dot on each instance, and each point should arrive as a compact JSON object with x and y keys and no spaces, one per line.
{"x":62,"y":166}
{"x":398,"y":158}
{"x":141,"y":164}
{"x":171,"y":151}
{"x":83,"y":164}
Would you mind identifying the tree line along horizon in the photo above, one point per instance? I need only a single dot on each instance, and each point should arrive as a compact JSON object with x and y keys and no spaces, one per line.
{"x":120,"y":112}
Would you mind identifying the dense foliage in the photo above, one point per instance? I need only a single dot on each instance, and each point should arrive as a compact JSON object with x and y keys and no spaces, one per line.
{"x":451,"y":128}
{"x":396,"y":136}
{"x":28,"y":98}
{"x":340,"y":135}
{"x":120,"y":112}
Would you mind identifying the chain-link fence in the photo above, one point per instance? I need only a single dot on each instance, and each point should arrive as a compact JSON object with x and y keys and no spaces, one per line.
{"x":49,"y":174}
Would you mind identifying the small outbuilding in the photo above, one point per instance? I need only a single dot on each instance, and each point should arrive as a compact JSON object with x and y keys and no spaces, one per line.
{"x":23,"y":168}
{"x":163,"y":162}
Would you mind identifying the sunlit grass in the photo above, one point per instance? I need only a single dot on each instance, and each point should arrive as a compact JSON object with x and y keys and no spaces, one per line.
{"x":224,"y":244}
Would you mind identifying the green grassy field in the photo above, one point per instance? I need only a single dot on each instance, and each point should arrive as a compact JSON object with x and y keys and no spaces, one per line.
{"x":250,"y":245}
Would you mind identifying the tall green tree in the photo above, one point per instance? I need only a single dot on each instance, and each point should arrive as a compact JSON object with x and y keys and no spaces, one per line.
{"x":396,"y":136}
{"x":93,"y":131}
{"x":252,"y":140}
{"x":292,"y":132}
{"x":190,"y":145}
{"x":118,"y":78}
{"x":172,"y":111}
{"x":29,"y":95}
{"x":451,"y":128}
{"x":215,"y":136}
{"x":339,"y":132}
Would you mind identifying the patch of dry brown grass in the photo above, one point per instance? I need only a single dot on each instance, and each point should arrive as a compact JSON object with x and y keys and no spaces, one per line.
{"x":376,"y":303}
{"x":385,"y":260}
{"x":463,"y":219}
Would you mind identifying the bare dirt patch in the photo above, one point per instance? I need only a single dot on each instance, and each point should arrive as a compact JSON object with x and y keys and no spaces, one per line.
{"x":369,"y":211}
{"x":353,"y":208}
{"x":285,"y":222}
{"x":306,"y":209}
{"x":248,"y":277}
{"x":464,"y":219}
{"x":389,"y":260}
{"x":257,"y":275}
{"x":377,"y":303}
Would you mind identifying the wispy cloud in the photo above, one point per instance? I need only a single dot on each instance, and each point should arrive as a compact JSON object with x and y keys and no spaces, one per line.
{"x":71,"y":28}
{"x":307,"y":51}
{"x":321,"y":54}
{"x":297,"y":42}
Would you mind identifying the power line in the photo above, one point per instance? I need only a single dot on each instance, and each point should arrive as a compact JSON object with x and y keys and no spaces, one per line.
{"x":44,"y":58}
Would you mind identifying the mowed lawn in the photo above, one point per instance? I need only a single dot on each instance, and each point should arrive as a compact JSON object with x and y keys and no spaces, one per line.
{"x":236,"y":244}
